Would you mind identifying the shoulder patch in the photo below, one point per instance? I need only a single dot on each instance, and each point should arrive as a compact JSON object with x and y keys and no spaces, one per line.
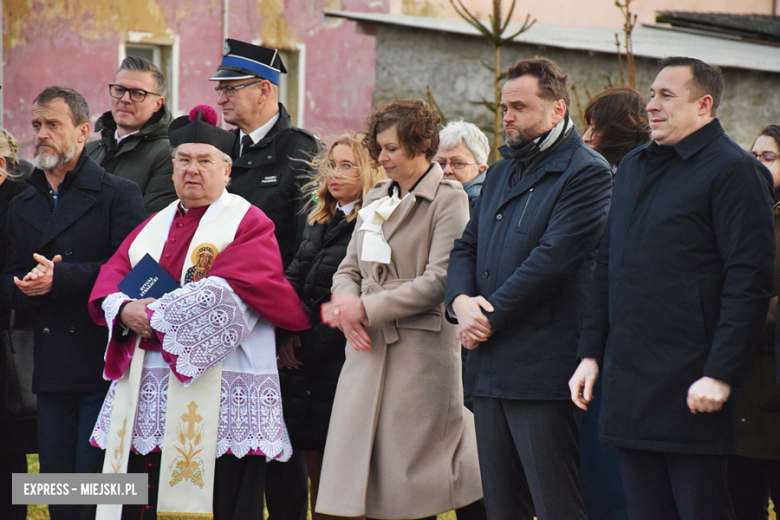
{"x":304,"y":132}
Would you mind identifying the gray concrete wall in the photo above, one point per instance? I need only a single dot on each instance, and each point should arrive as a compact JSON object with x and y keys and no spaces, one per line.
{"x":409,"y":59}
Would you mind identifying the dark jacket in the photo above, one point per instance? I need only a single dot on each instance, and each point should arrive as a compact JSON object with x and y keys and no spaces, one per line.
{"x":308,"y":391}
{"x":18,"y":435}
{"x":680,"y":290}
{"x":473,"y":188}
{"x":759,"y":406}
{"x":270,"y":176}
{"x":529,"y":251}
{"x":144,"y":158}
{"x":95,"y":212}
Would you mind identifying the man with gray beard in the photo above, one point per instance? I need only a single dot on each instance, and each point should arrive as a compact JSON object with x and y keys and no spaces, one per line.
{"x":60,"y":231}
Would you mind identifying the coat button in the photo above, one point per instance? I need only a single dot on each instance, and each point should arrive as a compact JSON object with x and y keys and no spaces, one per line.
{"x":270,"y":157}
{"x":249,"y":162}
{"x":499,"y":216}
{"x":67,"y":252}
{"x":72,"y":329}
{"x":485,"y":274}
{"x":46,"y":330}
{"x":308,"y":392}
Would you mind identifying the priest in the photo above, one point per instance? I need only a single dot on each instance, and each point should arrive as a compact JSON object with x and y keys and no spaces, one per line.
{"x":195,"y":393}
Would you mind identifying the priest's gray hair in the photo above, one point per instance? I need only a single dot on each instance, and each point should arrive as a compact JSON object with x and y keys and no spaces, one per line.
{"x":225,"y":157}
{"x":457,"y":132}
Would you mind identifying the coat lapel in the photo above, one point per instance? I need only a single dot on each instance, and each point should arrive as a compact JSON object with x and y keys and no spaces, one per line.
{"x":75,"y":202}
{"x":35,"y":210}
{"x":426,"y":189}
{"x":70,"y":208}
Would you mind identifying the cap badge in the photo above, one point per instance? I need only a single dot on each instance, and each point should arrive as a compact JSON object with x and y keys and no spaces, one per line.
{"x":226,"y":49}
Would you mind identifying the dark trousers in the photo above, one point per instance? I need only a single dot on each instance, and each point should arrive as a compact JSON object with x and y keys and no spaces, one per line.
{"x":529,"y":454}
{"x":65,"y":423}
{"x":11,"y":463}
{"x":752,"y":482}
{"x":602,"y":485}
{"x":675,"y":486}
{"x":238,"y":487}
{"x":287,"y":488}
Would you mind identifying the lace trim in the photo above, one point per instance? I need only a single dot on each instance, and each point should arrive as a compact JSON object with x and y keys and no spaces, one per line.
{"x":110,"y":305}
{"x":203,"y":322}
{"x":250,"y":417}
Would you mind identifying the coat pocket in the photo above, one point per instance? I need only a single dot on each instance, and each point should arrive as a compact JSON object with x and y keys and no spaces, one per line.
{"x":430,"y":321}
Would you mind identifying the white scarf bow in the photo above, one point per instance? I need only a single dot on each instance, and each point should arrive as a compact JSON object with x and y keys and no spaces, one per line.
{"x":375,"y":246}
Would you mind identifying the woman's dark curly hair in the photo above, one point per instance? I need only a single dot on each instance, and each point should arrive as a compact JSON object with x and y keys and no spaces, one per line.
{"x":416,"y":123}
{"x":619,"y":122}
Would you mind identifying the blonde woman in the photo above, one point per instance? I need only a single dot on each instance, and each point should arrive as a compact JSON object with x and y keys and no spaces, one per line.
{"x":312,"y":360}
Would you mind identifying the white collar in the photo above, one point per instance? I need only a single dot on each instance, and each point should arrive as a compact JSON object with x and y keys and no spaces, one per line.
{"x":120,"y":139}
{"x":258,"y":134}
{"x":347,"y":208}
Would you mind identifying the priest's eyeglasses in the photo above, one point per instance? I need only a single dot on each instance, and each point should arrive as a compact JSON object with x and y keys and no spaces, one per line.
{"x":766,"y":157}
{"x":202,"y":164}
{"x":136,"y":94}
{"x":456,"y":165}
{"x":231,"y":91}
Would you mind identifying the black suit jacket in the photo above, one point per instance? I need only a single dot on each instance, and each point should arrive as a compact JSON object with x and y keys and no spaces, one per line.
{"x":270,"y":176}
{"x":96,"y":211}
{"x":529,"y":251}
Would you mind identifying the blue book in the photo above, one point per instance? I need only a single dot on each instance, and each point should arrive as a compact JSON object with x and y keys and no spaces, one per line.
{"x":147,"y":280}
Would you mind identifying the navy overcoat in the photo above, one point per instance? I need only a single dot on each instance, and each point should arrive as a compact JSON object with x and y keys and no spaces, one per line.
{"x":95,"y":212}
{"x":681,"y":289}
{"x":529,"y":251}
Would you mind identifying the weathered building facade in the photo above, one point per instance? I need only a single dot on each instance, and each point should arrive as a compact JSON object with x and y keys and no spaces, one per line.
{"x":80,"y":45}
{"x":451,"y":65}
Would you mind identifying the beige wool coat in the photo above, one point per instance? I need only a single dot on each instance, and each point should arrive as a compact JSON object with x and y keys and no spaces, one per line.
{"x":400,"y":443}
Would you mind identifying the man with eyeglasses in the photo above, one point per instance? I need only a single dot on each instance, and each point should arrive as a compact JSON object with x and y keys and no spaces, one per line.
{"x":133,"y":140}
{"x":202,"y":358}
{"x":268,"y":167}
{"x":268,"y":171}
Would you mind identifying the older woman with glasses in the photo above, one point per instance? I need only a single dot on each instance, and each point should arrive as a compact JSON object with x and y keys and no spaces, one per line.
{"x":400,"y":443}
{"x":462,"y":155}
{"x":754,"y":474}
{"x":311,"y":361}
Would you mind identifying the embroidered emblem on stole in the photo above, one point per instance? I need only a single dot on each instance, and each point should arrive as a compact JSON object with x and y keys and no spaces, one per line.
{"x":202,"y":259}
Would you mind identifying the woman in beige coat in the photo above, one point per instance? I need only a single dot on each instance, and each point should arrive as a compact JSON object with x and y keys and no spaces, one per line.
{"x":401,"y":444}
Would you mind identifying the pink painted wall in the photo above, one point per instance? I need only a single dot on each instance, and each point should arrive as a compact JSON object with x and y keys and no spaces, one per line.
{"x":48,"y":42}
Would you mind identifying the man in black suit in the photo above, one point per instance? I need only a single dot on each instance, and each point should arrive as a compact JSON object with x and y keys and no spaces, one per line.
{"x":269,"y":170}
{"x":680,"y":292}
{"x":516,"y":284}
{"x":60,"y":231}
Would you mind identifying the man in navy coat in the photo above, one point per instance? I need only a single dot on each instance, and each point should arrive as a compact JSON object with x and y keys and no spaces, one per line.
{"x":680,"y":291}
{"x":516,"y":284}
{"x":60,"y":231}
